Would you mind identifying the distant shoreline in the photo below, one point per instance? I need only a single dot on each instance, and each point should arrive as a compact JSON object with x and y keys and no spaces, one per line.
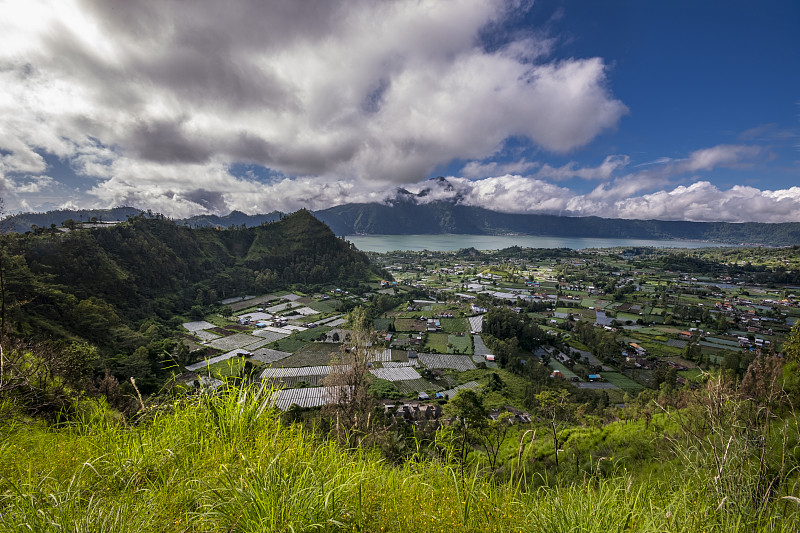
{"x":454,"y":242}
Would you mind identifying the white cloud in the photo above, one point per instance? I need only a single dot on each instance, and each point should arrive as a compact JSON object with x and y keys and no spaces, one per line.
{"x":571,"y":170}
{"x":700,"y":201}
{"x":366,"y":89}
{"x":475,"y":169}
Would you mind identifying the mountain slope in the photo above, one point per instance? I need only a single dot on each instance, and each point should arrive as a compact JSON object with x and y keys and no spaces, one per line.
{"x":446,"y":217}
{"x":406,"y":215}
{"x":109,"y":285}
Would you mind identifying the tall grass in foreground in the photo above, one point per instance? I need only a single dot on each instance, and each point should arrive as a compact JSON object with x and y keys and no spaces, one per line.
{"x":226,"y":463}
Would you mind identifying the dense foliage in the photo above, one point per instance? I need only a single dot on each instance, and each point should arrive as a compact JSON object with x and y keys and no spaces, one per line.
{"x":124,"y":288}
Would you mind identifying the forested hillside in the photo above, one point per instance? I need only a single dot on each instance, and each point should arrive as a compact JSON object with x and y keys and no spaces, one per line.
{"x":122,"y":289}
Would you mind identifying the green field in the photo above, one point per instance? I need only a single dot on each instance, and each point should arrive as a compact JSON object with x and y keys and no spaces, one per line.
{"x":460,"y":344}
{"x":409,"y":324}
{"x":324,"y":306}
{"x":292,"y":343}
{"x":437,"y":342}
{"x":454,"y":325}
{"x":311,"y":334}
{"x":382,"y":324}
{"x":227,"y":368}
{"x":622,"y":381}
{"x":555,"y":365}
{"x":312,"y":354}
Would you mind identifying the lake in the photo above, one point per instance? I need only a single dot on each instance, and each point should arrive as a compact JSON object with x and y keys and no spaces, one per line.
{"x":449,"y":242}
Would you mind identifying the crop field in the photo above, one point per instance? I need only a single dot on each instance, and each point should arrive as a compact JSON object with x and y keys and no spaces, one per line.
{"x":449,"y":393}
{"x":266,"y":355}
{"x":555,"y":365}
{"x":308,"y":397}
{"x":229,"y":367}
{"x":437,"y":342}
{"x":404,"y":373}
{"x":322,"y":307}
{"x":622,"y":381}
{"x":454,"y":325}
{"x":288,"y":344}
{"x":312,"y":334}
{"x":208,"y":362}
{"x":409,"y":324}
{"x":382,"y":324}
{"x":413,"y":386}
{"x":311,"y":354}
{"x":280,"y":373}
{"x":269,"y":335}
{"x":240,"y":340}
{"x":460,"y":344}
{"x":456,"y":362}
{"x":480,"y":347}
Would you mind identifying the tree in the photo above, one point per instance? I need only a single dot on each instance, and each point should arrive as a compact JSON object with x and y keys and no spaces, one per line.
{"x":557,"y":408}
{"x":78,"y":363}
{"x":352,"y":402}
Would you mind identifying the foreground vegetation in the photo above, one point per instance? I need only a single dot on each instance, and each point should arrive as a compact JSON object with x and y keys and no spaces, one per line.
{"x":228,"y":463}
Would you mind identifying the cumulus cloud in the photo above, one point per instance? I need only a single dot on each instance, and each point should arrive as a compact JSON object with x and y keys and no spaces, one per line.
{"x":700,"y":201}
{"x":368,"y":90}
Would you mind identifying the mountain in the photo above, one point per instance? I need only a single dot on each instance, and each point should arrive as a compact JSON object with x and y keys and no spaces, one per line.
{"x":409,"y":217}
{"x":407,"y":214}
{"x":118,"y":287}
{"x":234,"y":218}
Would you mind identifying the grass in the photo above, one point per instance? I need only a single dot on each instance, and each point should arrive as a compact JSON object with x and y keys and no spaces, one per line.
{"x":454,"y":325}
{"x":460,"y":344}
{"x":290,"y":344}
{"x":229,"y":367}
{"x":567,"y":373}
{"x":409,"y":324}
{"x":437,"y":342}
{"x":227,"y":463}
{"x":311,"y":334}
{"x":382,"y":324}
{"x":313,"y":354}
{"x":622,"y":381}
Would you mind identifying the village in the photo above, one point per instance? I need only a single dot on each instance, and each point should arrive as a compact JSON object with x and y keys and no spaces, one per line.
{"x":613,"y":322}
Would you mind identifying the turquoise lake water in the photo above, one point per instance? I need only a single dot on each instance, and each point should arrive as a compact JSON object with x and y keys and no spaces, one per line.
{"x":446,"y":243}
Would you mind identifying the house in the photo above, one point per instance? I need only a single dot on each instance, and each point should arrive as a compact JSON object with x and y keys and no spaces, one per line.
{"x":638,"y":349}
{"x":595,"y":377}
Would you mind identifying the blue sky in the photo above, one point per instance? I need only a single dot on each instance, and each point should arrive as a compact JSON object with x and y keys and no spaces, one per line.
{"x":672,"y":110}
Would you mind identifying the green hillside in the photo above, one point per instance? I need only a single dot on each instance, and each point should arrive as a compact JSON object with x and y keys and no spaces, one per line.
{"x":124,"y":289}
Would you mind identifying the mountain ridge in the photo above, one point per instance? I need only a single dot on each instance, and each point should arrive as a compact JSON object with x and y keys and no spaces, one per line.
{"x":406,"y":215}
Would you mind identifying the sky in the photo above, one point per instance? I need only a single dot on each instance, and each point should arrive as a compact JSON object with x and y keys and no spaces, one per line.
{"x":678,"y":110}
